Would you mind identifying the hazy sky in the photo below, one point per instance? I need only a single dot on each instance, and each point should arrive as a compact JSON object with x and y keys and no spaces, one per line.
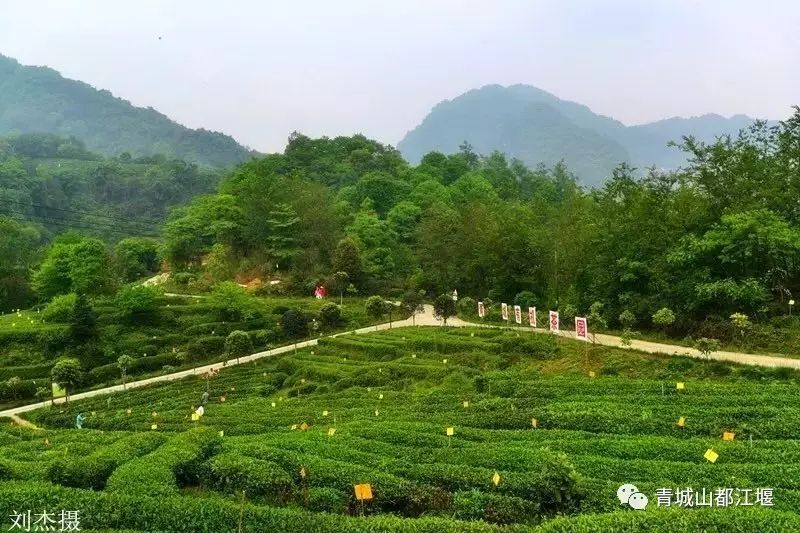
{"x":259,"y":70}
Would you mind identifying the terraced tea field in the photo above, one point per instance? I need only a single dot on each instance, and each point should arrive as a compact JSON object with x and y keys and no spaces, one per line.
{"x":454,"y":430}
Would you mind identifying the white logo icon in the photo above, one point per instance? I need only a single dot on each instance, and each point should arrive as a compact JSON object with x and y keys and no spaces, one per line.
{"x":630,"y":494}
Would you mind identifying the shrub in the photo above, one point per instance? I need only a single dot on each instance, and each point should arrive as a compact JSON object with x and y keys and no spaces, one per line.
{"x":468,"y":306}
{"x":322,"y":499}
{"x":524,"y":299}
{"x":663,"y":318}
{"x":137,"y":303}
{"x":233,"y":473}
{"x":205,"y":347}
{"x":60,"y":309}
{"x":330,"y":315}
{"x":238,"y":344}
{"x":627,"y":319}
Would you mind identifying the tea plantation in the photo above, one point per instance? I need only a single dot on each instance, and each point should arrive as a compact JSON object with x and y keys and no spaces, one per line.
{"x":454,"y":430}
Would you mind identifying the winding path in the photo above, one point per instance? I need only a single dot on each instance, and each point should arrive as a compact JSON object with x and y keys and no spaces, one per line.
{"x":426,"y":318}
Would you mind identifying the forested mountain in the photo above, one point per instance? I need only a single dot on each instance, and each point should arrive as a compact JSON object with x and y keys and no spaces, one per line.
{"x":537,"y":127}
{"x":40,"y":100}
{"x":59,"y":184}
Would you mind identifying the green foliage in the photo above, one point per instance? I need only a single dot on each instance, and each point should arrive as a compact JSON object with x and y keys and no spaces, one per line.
{"x":60,"y":308}
{"x":67,"y":373}
{"x":74,"y":264}
{"x":38,"y":99}
{"x":330,"y":315}
{"x":376,"y":307}
{"x":706,"y":347}
{"x":232,"y":302}
{"x":294,"y":324}
{"x":664,"y":317}
{"x":238,"y":344}
{"x":444,"y":307}
{"x":136,"y":257}
{"x":627,"y":319}
{"x":83,"y":323}
{"x":137,"y":303}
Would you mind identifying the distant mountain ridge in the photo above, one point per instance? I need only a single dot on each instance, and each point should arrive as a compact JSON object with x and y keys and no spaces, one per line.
{"x":40,"y":100}
{"x":535,"y":126}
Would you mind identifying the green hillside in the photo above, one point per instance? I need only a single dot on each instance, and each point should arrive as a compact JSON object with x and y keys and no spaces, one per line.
{"x":58,"y":183}
{"x":40,"y":100}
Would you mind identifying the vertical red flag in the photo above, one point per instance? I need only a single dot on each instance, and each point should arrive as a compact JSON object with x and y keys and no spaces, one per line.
{"x":581,"y":329}
{"x":532,"y":316}
{"x":481,"y":310}
{"x":554,"y":321}
{"x":504,"y":310}
{"x":517,"y":314}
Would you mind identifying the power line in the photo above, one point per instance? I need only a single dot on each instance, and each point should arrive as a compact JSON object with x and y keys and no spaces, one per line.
{"x":75,"y":225}
{"x":147,"y":223}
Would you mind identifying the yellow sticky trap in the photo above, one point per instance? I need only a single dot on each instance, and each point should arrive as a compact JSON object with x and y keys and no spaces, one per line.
{"x":293,"y":427}
{"x":363,"y":491}
{"x":534,"y":423}
{"x":376,"y":412}
{"x":466,"y":404}
{"x":380,"y":396}
{"x":154,"y":414}
{"x":273,"y":404}
{"x":413,"y":356}
{"x":591,"y":373}
{"x":711,"y":456}
{"x":303,"y":426}
{"x":222,"y":399}
{"x":728,"y":435}
{"x":303,"y":472}
{"x":47,"y":442}
{"x":496,"y":479}
{"x":195,"y":417}
{"x":128,"y":411}
{"x":331,"y":432}
{"x":682,"y":422}
{"x":221,"y":433}
{"x":444,"y":361}
{"x":154,"y":427}
{"x":450,"y":431}
{"x":302,"y":380}
{"x":324,"y":413}
{"x":94,"y":413}
{"x":680,"y":386}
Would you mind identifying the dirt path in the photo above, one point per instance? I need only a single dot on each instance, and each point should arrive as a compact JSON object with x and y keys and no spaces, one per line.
{"x":427,"y":319}
{"x":24,"y":423}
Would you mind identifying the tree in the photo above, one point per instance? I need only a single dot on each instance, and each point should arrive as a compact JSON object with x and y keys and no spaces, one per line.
{"x":136,"y":257}
{"x":347,"y":258}
{"x":627,"y":319}
{"x":232,"y":302}
{"x":375,"y":308}
{"x":13,"y":385}
{"x":330,"y":315}
{"x":444,"y":307}
{"x":238,"y":344}
{"x":413,"y":302}
{"x":706,"y":347}
{"x":124,"y":362}
{"x":137,"y":303}
{"x":741,"y":322}
{"x":67,"y":374}
{"x":663,"y":318}
{"x":74,"y":264}
{"x":294,"y":324}
{"x":339,"y":282}
{"x":282,"y":241}
{"x":83,"y":326}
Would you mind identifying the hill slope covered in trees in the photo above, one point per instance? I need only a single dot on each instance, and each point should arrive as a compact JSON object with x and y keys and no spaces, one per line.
{"x":532,"y":125}
{"x":40,"y":100}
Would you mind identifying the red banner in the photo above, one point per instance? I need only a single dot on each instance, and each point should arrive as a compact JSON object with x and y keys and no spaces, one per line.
{"x":532,"y":316}
{"x":481,"y":310}
{"x":517,"y":314}
{"x":504,"y":310}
